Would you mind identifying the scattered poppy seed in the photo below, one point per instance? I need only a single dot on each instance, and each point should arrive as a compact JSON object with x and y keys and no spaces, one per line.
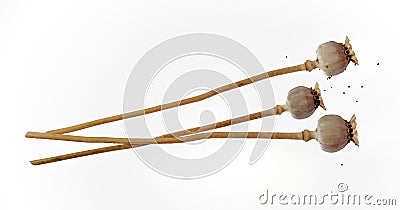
{"x":324,"y":90}
{"x":357,"y":101}
{"x":344,"y":93}
{"x":285,"y":56}
{"x":362,"y":86}
{"x":341,"y":164}
{"x":377,"y":64}
{"x":348,"y":86}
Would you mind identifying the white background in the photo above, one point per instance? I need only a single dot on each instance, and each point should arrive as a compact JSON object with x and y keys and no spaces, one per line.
{"x":67,"y":62}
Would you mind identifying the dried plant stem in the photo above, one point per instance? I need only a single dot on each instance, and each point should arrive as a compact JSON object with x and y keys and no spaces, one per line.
{"x":79,"y":154}
{"x":133,"y":141}
{"x":163,"y":140}
{"x":279,"y":109}
{"x":38,"y":135}
{"x":308,"y":65}
{"x":306,"y":135}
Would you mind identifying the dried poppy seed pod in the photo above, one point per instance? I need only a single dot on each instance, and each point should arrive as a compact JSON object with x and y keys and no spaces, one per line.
{"x":334,"y":133}
{"x":301,"y":101}
{"x":333,"y":57}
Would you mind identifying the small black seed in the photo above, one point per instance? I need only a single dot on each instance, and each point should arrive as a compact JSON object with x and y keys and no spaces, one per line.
{"x":348,"y":86}
{"x":377,"y":64}
{"x":356,"y":101}
{"x":362,"y":86}
{"x":324,"y":90}
{"x":285,"y":56}
{"x":331,"y":87}
{"x":341,"y":164}
{"x":344,"y":93}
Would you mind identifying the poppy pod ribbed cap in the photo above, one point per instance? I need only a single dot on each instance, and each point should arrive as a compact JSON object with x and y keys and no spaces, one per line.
{"x":333,"y":58}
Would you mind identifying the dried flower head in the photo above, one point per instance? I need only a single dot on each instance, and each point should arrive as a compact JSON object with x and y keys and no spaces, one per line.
{"x":301,"y":101}
{"x":334,"y":133}
{"x":333,"y":57}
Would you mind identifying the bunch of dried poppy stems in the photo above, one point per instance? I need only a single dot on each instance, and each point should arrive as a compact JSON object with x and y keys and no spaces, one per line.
{"x":332,"y":132}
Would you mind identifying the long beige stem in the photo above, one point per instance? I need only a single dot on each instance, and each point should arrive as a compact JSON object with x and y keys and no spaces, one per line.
{"x":38,"y":135}
{"x":277,"y":110}
{"x":274,"y":111}
{"x":164,"y":140}
{"x":135,"y":141}
{"x":79,"y":154}
{"x":306,"y":135}
{"x":308,"y":65}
